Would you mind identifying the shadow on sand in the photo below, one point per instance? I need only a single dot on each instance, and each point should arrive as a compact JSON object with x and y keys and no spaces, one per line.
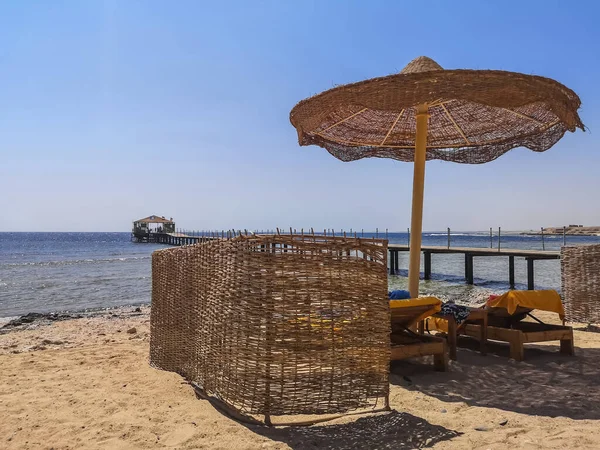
{"x":387,"y":430}
{"x":393,"y":430}
{"x":545,"y":384}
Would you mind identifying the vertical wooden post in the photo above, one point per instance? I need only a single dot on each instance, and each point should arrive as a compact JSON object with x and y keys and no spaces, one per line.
{"x":427,"y":263}
{"x":499,"y":230}
{"x":452,"y":338}
{"x":396,"y":253}
{"x":567,"y":346}
{"x":517,"y":351}
{"x":564,"y":236}
{"x":491,"y":238}
{"x":543,"y":243}
{"x":416,"y":223}
{"x":530,"y":281}
{"x":392,"y":260}
{"x":511,"y":271}
{"x":448,"y":237}
{"x":469,"y":268}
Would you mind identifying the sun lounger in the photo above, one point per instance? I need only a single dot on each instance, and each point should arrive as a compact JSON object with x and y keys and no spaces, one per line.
{"x":405,"y":342}
{"x":447,"y":324}
{"x":506,"y":324}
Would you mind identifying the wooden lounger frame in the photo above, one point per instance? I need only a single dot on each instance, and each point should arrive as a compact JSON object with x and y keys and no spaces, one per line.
{"x":408,"y":344}
{"x":525,"y":332}
{"x":477,"y":316}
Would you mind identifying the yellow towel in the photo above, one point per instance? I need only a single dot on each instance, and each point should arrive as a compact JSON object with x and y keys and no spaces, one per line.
{"x":436,"y":324}
{"x":421,"y":301}
{"x":548,"y":300}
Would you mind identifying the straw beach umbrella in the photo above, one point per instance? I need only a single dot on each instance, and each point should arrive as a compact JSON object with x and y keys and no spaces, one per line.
{"x":425,"y":112}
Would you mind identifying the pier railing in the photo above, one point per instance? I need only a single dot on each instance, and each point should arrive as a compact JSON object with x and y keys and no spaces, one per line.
{"x":196,"y":235}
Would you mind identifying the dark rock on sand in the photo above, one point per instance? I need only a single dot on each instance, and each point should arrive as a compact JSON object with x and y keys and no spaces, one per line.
{"x":50,"y":342}
{"x":34,"y":318}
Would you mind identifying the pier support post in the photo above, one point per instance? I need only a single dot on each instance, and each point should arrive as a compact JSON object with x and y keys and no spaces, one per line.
{"x":511,"y":271}
{"x":396,"y":259}
{"x":391,"y":262}
{"x":530,"y":281}
{"x":469,"y":268}
{"x":427,"y":265}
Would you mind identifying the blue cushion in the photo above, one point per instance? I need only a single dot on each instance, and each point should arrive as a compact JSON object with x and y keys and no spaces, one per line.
{"x":399,"y":294}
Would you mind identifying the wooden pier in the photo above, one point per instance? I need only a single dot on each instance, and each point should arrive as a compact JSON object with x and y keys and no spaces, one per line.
{"x":470,"y":253}
{"x":177,"y":238}
{"x":159,"y":230}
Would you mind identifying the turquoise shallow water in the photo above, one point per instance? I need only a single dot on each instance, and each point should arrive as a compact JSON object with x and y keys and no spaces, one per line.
{"x":44,"y":272}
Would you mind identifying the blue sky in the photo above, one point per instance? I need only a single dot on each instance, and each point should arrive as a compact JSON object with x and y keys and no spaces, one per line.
{"x":114,"y":110}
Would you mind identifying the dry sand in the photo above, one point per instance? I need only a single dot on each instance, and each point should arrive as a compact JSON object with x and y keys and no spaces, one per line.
{"x":86,"y":383}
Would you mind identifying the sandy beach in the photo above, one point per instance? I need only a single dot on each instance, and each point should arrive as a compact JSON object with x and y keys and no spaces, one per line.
{"x":86,"y":383}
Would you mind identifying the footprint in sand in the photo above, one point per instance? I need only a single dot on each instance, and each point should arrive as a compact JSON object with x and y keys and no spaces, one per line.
{"x":180,"y":435}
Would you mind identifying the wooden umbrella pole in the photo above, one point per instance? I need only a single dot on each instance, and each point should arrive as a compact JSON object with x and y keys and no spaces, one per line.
{"x":414,"y":267}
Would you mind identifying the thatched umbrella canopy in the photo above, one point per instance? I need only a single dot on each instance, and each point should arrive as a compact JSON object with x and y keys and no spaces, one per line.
{"x":426,"y":112}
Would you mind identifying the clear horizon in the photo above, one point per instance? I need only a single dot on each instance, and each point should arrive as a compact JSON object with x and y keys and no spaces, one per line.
{"x":113,"y":110}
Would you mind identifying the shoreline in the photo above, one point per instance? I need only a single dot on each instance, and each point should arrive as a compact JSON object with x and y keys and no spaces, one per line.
{"x":47,"y":317}
{"x":62,"y":331}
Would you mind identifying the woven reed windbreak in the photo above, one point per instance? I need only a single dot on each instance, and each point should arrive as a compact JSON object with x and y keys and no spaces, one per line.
{"x":275,"y":324}
{"x":580,"y":276}
{"x":475,"y":116}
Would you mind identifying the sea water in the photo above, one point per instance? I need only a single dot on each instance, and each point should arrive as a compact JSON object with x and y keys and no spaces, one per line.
{"x":46,"y":272}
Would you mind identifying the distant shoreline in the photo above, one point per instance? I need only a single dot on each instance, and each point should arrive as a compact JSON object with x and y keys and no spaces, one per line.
{"x":569,"y":231}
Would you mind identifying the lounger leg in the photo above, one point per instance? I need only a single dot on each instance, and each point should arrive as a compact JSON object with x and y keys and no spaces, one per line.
{"x":452,"y":337}
{"x":440,"y":361}
{"x":517,"y":351}
{"x":483,"y":337}
{"x":567,"y":347}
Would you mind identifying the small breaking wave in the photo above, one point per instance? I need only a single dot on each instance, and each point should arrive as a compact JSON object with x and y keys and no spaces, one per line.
{"x":75,"y":262}
{"x":451,"y":234}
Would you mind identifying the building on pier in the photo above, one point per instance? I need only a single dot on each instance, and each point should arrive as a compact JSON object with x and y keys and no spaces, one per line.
{"x":147,"y":229}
